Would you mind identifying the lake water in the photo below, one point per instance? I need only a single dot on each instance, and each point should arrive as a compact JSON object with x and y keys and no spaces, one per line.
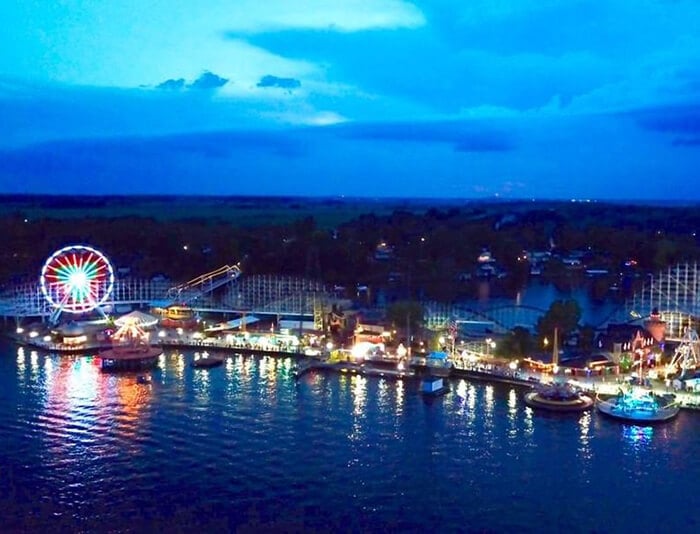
{"x":246,"y":447}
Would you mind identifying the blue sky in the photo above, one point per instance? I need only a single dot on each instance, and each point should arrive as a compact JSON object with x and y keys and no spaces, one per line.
{"x":443,"y":98}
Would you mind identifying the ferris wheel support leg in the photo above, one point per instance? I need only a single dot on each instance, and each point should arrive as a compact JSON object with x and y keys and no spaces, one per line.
{"x":55,"y":314}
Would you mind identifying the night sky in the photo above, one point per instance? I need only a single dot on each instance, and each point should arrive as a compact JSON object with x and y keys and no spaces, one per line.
{"x":442,"y":98}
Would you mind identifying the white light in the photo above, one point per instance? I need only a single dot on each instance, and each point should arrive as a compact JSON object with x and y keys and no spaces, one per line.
{"x":47,"y":338}
{"x":162,"y":333}
{"x":33,"y":334}
{"x":329,"y":345}
{"x":20,"y":330}
{"x":78,"y":280}
{"x":513,"y":365}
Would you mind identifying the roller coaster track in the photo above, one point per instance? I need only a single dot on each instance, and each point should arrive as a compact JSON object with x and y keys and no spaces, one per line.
{"x":192,"y":290}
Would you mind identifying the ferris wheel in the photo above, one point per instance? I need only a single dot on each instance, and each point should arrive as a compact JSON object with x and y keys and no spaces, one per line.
{"x":76,"y":279}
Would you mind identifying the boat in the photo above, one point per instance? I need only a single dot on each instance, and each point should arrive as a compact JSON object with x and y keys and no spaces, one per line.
{"x":207,"y":361}
{"x":386,"y":369}
{"x":434,"y":386}
{"x":558,"y":397}
{"x":301,"y":369}
{"x":638,"y":405}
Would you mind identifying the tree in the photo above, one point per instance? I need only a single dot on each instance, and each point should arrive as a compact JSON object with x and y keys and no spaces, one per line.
{"x":586,"y":338}
{"x":517,"y":344}
{"x":563,"y":315}
{"x":406,"y":312}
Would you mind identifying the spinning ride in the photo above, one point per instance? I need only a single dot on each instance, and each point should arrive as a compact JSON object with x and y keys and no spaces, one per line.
{"x":559,"y":397}
{"x":76,"y":279}
{"x":687,"y":355}
{"x":639,"y":406}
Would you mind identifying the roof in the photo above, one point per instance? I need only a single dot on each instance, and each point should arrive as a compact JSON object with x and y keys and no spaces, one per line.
{"x":138,"y":318}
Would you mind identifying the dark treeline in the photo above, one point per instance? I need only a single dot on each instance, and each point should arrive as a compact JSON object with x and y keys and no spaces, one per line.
{"x":429,"y":250}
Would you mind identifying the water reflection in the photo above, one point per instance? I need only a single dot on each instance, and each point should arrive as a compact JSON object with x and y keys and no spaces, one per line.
{"x":21,"y":363}
{"x":82,"y":410}
{"x":201,"y":384}
{"x":358,"y":391}
{"x":512,"y":413}
{"x":528,"y":423}
{"x":399,"y":397}
{"x":585,"y":435}
{"x":639,"y":437}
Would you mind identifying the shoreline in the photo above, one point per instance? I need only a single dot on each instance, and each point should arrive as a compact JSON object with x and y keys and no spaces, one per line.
{"x":687,"y":401}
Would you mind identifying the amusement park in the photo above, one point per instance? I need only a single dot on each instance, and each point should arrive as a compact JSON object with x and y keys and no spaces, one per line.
{"x":80,"y":305}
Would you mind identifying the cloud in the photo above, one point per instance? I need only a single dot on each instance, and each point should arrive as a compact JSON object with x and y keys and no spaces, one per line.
{"x":253,"y":16}
{"x":274,"y":81}
{"x":687,"y":142}
{"x":464,"y":136}
{"x":670,"y":119}
{"x":208,"y":80}
{"x":172,"y":84}
{"x":681,"y":123}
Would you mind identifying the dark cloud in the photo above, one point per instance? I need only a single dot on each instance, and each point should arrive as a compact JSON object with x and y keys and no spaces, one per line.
{"x":673,"y":119}
{"x":463,"y":136}
{"x":683,"y":122}
{"x":208,"y":80}
{"x":90,"y":155}
{"x":274,"y":81}
{"x":687,"y":141}
{"x":172,"y":84}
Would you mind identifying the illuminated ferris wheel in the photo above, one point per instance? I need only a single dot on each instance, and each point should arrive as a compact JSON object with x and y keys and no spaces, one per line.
{"x":76,"y":279}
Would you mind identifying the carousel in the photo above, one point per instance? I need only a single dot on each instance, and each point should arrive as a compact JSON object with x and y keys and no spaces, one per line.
{"x":131,"y":349}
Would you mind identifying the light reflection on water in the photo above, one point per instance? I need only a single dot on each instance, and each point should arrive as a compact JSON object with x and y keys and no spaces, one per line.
{"x":248,"y":432}
{"x":399,"y":397}
{"x":639,"y":437}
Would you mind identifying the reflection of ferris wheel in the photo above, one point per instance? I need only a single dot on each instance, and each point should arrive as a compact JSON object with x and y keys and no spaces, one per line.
{"x":76,"y":279}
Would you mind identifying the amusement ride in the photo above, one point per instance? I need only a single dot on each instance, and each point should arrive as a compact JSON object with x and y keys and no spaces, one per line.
{"x":76,"y":279}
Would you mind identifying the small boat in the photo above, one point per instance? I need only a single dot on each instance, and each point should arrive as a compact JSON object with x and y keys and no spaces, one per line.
{"x":206,"y":362}
{"x":386,"y":369}
{"x":434,"y":386}
{"x":639,"y":406}
{"x":301,"y":368}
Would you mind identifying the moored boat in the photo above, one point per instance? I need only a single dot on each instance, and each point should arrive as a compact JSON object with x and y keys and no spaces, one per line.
{"x":207,"y":361}
{"x":433,"y":386}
